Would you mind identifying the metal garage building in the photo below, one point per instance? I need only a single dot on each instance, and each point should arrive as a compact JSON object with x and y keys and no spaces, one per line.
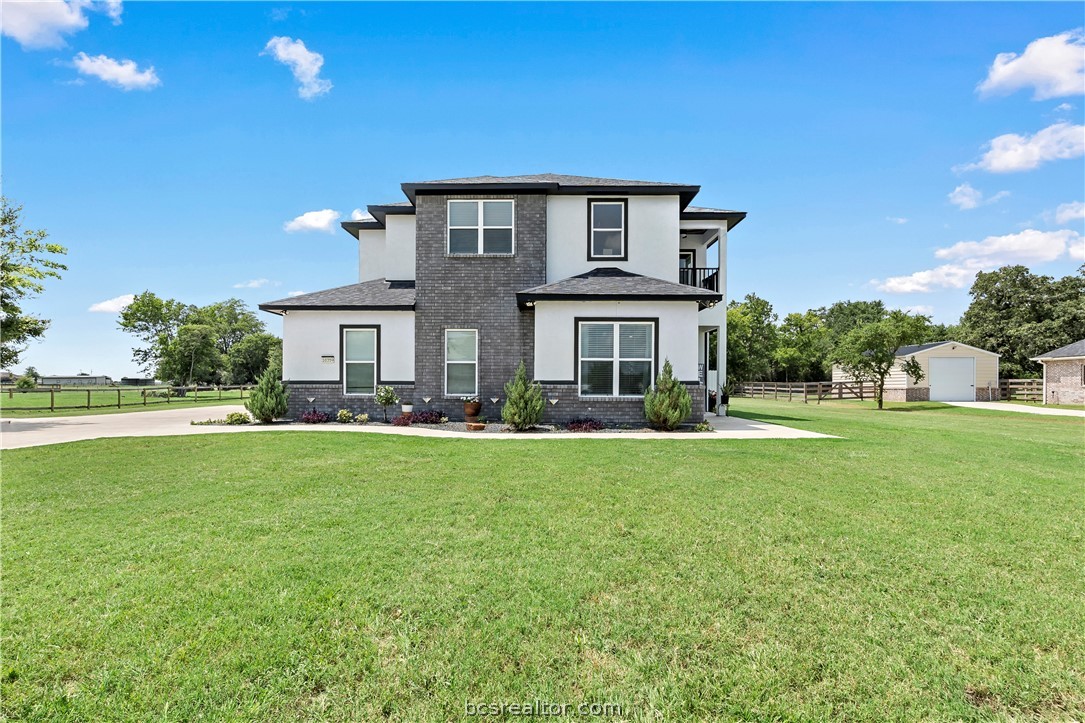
{"x":952,"y":372}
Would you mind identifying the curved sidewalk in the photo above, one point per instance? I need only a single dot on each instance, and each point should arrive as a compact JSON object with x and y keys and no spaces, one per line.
{"x":38,"y":431}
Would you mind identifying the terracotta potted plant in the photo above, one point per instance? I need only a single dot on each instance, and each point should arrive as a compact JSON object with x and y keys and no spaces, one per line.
{"x":471,"y":408}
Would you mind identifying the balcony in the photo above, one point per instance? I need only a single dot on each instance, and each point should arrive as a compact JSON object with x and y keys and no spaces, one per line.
{"x":701,"y":277}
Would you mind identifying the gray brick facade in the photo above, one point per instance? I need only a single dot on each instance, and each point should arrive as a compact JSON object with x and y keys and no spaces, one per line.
{"x":328,"y":397}
{"x":571,"y":406}
{"x":475,"y":292}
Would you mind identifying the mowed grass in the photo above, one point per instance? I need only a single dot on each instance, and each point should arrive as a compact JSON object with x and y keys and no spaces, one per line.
{"x":71,"y":402}
{"x":926,"y":567}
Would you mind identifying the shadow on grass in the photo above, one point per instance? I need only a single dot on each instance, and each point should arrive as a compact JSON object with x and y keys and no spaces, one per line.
{"x":758,"y":416}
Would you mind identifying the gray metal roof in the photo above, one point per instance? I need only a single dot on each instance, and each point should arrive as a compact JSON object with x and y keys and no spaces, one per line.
{"x":1075,"y":349}
{"x":376,"y":294}
{"x":614,"y":283}
{"x":916,"y":348}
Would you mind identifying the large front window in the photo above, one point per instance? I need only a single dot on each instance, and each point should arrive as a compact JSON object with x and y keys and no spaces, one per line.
{"x":616,"y":358}
{"x":360,"y":361}
{"x":480,"y":227}
{"x":461,"y":362}
{"x":608,"y":235}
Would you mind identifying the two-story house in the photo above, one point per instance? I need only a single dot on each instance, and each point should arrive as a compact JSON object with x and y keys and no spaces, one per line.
{"x":592,"y":282}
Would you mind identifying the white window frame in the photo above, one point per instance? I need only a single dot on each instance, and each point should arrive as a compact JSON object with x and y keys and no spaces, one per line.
{"x":447,"y":362}
{"x":623,"y":204}
{"x":480,"y":227}
{"x":376,"y":361}
{"x":616,"y":359}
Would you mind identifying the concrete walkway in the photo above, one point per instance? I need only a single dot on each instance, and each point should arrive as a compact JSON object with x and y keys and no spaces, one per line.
{"x":16,"y":433}
{"x":1024,"y":409}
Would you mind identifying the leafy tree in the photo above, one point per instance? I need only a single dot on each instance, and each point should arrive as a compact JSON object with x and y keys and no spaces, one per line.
{"x":1021,"y":315}
{"x":942,"y":332}
{"x":751,"y":339}
{"x":668,"y":404}
{"x":869,"y":352}
{"x":31,"y":372}
{"x":268,"y":399}
{"x":26,"y":382}
{"x":386,"y":397}
{"x":802,"y":347}
{"x":230,"y":320}
{"x":523,"y":401}
{"x":191,"y":356}
{"x":251,"y":355}
{"x":26,"y":262}
{"x":154,"y":321}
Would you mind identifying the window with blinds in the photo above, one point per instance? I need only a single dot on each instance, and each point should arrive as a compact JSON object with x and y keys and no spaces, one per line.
{"x":480,"y":227}
{"x":616,"y":358}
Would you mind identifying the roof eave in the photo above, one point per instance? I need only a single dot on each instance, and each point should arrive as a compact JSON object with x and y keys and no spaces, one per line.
{"x":733,"y":218}
{"x":525,"y":298}
{"x":353,"y":227}
{"x":411,"y":190}
{"x":274,"y":308}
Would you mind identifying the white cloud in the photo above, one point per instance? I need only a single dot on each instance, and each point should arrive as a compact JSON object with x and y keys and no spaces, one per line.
{"x":253,"y":284}
{"x":1052,"y":67}
{"x":303,"y":63}
{"x":896,"y":219}
{"x":970,"y":257}
{"x":44,"y":23}
{"x":114,"y":305}
{"x":1067,"y":212}
{"x":359,"y":215}
{"x":1012,"y":152}
{"x":1064,"y":107}
{"x":313,"y":221}
{"x":123,"y":74}
{"x":295,"y":293}
{"x":965,"y":197}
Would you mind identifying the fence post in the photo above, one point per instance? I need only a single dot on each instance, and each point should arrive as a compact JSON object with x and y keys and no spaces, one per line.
{"x":52,"y":400}
{"x":118,"y":399}
{"x":196,"y":393}
{"x":88,"y":399}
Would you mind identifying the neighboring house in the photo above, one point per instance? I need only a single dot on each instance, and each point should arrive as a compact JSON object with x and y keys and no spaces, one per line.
{"x":1064,"y":374}
{"x":592,"y":282}
{"x":952,"y":372}
{"x":78,"y":380}
{"x":6,"y":377}
{"x":137,"y":381}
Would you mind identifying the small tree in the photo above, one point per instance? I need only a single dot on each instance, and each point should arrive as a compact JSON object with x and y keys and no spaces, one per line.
{"x":523,"y":401}
{"x":669,"y":403}
{"x":386,"y":397}
{"x":869,"y":352}
{"x":26,"y":382}
{"x":268,"y":399}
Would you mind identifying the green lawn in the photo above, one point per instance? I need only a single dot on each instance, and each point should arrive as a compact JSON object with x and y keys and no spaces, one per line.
{"x":926,"y":567}
{"x":17,"y":404}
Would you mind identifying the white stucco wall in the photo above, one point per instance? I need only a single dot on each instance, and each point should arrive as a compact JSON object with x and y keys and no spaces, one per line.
{"x":555,"y":332}
{"x":371,"y":254}
{"x":309,"y":335}
{"x":399,"y":248}
{"x":652,"y":237}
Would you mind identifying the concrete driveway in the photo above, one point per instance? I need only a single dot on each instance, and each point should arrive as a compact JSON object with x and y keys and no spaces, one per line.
{"x":17,"y":433}
{"x":1023,"y":408}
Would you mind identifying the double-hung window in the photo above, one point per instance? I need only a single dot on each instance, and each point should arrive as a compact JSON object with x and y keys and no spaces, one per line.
{"x":480,"y":227}
{"x":607,"y":229}
{"x":616,"y":358}
{"x":359,"y":361}
{"x":461,"y":362}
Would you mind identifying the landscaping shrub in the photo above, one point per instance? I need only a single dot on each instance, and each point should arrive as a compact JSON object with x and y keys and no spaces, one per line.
{"x":403,"y":420}
{"x":238,"y":418}
{"x":267,"y":400}
{"x":703,"y":427}
{"x":523,"y":401}
{"x":315,"y":417}
{"x":361,"y":418}
{"x":344,"y":416}
{"x":386,"y":397}
{"x":429,"y":416}
{"x":26,"y":382}
{"x":585,"y":424}
{"x":669,"y":403}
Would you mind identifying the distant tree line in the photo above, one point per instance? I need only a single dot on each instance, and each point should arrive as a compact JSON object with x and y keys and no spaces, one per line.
{"x":221,"y":343}
{"x":1013,"y":312}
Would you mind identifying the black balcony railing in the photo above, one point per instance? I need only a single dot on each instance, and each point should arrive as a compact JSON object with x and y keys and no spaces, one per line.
{"x":702,"y":278}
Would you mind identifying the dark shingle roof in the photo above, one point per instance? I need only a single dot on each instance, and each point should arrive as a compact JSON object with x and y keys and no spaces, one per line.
{"x":1070,"y":350}
{"x":614,"y":283}
{"x":696,"y":213}
{"x":375,"y":294}
{"x":553,"y":183}
{"x":562,"y":179}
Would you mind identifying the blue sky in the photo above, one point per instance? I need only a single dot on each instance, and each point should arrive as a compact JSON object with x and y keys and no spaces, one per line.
{"x":842,"y":129}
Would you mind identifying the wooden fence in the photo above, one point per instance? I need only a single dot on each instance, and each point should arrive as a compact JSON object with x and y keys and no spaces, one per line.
{"x":26,"y":400}
{"x":805,"y":391}
{"x":1026,"y":390}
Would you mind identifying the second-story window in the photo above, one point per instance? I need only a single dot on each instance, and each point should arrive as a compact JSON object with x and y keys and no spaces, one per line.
{"x":607,"y":230}
{"x":480,"y":227}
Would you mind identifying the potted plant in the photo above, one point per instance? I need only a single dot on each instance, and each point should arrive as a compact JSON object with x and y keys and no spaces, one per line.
{"x":478,"y":425}
{"x":471,"y":407}
{"x":408,"y":406}
{"x":725,"y":398}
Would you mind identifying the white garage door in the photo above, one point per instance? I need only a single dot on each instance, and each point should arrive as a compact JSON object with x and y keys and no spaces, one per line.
{"x":952,"y":379}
